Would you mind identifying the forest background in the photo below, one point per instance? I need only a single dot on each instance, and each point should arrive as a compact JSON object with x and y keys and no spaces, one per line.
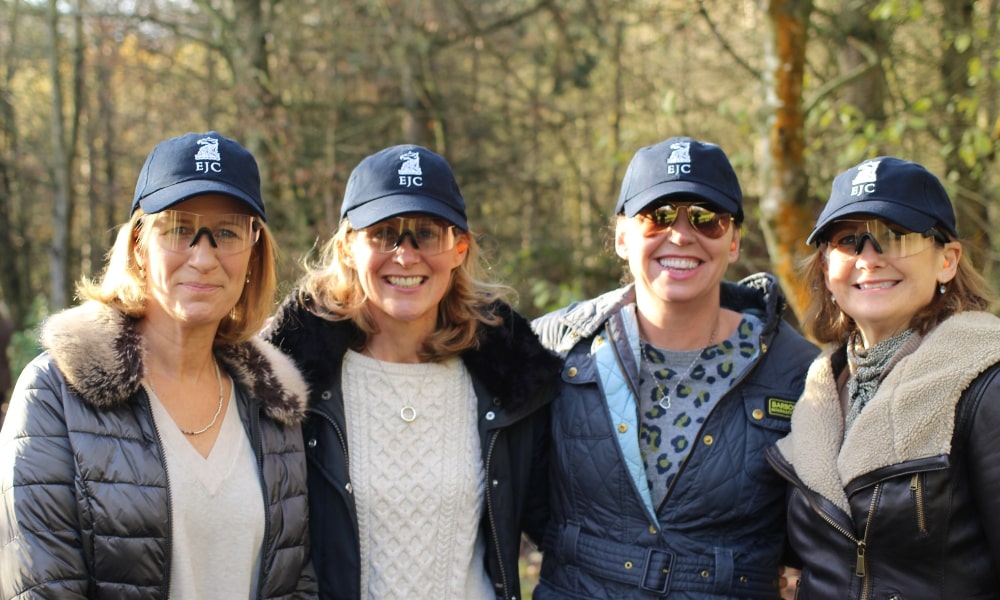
{"x":537,"y":104}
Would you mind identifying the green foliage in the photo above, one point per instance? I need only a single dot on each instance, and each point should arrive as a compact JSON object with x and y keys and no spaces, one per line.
{"x":537,"y":105}
{"x":24,"y":343}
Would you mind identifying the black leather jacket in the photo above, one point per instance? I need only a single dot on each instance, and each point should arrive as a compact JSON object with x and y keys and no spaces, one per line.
{"x":917,"y":512}
{"x":514,"y":378}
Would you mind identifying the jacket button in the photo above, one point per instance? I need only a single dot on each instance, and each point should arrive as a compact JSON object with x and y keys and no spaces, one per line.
{"x":709,"y":440}
{"x":571,"y":372}
{"x":349,"y":488}
{"x":652,"y":529}
{"x":628,"y":565}
{"x":326,"y":395}
{"x":490,"y":415}
{"x":705,"y":574}
{"x":622,"y":427}
{"x":496,"y":483}
{"x":312,"y":443}
{"x":758,"y":414}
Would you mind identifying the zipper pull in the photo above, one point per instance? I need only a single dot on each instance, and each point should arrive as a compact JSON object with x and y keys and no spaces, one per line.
{"x":860,"y":569}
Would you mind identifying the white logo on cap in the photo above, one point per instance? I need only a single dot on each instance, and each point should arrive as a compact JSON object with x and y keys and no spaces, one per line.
{"x":409,"y":172}
{"x":208,"y":160}
{"x":864,"y":181}
{"x":680,"y":158}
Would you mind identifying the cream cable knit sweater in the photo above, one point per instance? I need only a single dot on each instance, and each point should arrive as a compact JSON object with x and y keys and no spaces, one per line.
{"x":418,"y":486}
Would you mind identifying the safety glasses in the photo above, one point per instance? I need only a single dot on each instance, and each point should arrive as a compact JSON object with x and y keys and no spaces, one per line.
{"x":847,"y":239}
{"x":704,"y":220}
{"x":430,"y":236}
{"x":178,"y":231}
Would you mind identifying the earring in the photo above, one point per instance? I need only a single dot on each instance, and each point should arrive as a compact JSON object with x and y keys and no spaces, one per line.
{"x":833,"y":298}
{"x":942,"y":289}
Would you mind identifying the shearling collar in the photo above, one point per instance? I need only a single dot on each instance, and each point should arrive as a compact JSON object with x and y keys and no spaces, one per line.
{"x":100,"y":353}
{"x":911,"y":416}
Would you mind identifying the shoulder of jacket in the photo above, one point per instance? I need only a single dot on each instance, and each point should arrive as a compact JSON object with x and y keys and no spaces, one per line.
{"x":562,"y":329}
{"x":269,"y":376}
{"x":511,"y":361}
{"x":98,"y":350}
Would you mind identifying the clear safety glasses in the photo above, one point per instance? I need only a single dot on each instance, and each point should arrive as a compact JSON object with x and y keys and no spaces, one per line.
{"x":177,"y":231}
{"x":430,"y":236}
{"x":847,"y":239}
{"x":704,"y":220}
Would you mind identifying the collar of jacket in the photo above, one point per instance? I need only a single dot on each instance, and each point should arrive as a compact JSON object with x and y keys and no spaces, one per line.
{"x":758,"y":293}
{"x":911,"y":416}
{"x":509,"y":360}
{"x":99,"y":351}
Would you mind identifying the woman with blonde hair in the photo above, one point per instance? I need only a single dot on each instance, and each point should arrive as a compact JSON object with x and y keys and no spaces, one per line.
{"x":154,"y":450}
{"x":428,"y":418}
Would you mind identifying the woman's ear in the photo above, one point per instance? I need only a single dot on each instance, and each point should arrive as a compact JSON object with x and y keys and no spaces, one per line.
{"x":950,"y":257}
{"x":734,"y":246}
{"x":621,"y":247}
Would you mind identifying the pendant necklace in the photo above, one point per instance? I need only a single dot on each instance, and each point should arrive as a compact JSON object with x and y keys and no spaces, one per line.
{"x":408,"y":413}
{"x":664,"y":394}
{"x":218,"y":410}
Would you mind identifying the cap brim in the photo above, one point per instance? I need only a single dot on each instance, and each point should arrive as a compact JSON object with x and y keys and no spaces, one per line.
{"x":373,"y":211}
{"x":894,"y":212}
{"x":673,"y":188}
{"x":167,"y":197}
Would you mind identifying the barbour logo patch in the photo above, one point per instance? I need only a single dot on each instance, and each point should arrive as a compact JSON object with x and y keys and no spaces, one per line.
{"x":780,"y":408}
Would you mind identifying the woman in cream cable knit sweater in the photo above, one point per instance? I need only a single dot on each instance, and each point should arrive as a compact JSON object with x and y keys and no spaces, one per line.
{"x":427,"y":426}
{"x":893,"y":454}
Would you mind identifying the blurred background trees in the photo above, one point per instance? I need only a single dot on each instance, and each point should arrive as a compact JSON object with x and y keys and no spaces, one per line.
{"x":538,"y":105}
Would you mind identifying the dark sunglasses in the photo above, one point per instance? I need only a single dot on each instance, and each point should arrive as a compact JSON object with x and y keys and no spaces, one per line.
{"x":705,"y":221}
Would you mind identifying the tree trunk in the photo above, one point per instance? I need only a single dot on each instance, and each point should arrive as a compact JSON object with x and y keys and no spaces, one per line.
{"x":786,"y":211}
{"x":968,"y":197}
{"x":58,"y":296}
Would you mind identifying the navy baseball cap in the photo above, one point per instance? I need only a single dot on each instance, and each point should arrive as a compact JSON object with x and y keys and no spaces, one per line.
{"x":899,"y":191}
{"x":680,"y":166}
{"x":195,"y":164}
{"x":399,"y":180}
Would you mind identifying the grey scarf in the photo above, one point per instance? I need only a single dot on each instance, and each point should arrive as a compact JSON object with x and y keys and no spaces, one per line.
{"x":870,"y":366}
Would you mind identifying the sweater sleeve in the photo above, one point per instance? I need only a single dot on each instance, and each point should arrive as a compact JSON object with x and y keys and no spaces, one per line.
{"x":41,"y":553}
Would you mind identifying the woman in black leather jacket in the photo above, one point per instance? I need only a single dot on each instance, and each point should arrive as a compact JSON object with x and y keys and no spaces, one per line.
{"x":893,"y":454}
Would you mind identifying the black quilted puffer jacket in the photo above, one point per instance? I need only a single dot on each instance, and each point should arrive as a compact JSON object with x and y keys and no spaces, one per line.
{"x":84,"y":499}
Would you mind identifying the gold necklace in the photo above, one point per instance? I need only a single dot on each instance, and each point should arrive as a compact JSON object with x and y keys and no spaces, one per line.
{"x":664,"y":400}
{"x":218,"y":410}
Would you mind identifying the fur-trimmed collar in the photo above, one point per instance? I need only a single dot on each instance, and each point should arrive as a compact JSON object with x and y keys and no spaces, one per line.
{"x":911,"y":416}
{"x":100,"y":352}
{"x":509,"y":360}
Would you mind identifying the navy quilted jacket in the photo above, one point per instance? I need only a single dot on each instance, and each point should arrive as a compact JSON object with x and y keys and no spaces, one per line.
{"x":720,"y":531}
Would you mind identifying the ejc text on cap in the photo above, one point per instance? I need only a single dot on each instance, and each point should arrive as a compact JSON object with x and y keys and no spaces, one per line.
{"x":897,"y":190}
{"x":195,"y":164}
{"x":680,"y":166}
{"x":399,"y":180}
